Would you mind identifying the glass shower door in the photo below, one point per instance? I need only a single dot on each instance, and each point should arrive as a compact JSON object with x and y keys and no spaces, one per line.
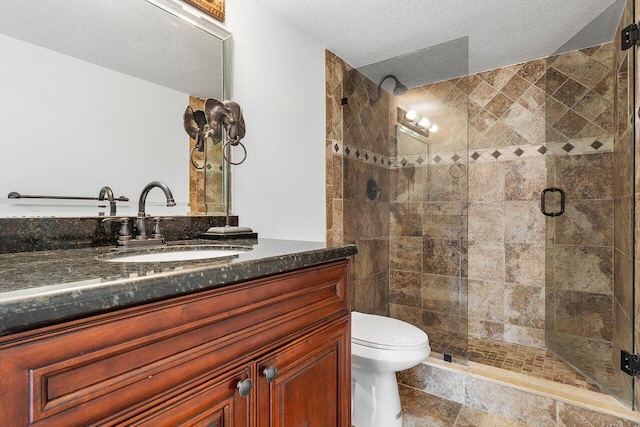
{"x":589,"y":208}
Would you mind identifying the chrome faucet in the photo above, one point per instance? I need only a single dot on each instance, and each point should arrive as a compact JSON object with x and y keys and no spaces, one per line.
{"x":106,"y":190}
{"x":141,"y":221}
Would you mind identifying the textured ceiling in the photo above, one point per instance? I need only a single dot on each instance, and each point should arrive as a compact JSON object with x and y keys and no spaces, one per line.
{"x":500,"y":32}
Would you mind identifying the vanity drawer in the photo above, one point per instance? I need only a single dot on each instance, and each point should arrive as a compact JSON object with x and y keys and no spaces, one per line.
{"x":130,"y":361}
{"x":215,"y":403}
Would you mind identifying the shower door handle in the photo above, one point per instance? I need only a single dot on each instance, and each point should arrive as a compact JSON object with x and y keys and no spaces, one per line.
{"x":543,"y":201}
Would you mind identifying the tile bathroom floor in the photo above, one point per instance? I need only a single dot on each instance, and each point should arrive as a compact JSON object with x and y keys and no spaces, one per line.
{"x":421,"y":409}
{"x":536,"y":362}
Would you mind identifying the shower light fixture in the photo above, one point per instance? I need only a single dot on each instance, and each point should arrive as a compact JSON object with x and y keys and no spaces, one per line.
{"x":425,"y":123}
{"x":398,"y":90}
{"x":415,"y":122}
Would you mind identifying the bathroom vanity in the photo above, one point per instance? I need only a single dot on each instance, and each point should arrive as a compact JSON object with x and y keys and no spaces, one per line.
{"x":258,"y":340}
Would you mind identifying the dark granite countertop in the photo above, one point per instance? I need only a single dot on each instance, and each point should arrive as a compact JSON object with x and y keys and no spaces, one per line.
{"x":39,"y":288}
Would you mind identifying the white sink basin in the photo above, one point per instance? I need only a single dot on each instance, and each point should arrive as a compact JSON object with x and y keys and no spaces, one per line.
{"x":176,"y":254}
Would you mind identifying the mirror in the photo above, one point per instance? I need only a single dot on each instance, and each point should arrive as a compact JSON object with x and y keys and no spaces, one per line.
{"x":92,"y":94}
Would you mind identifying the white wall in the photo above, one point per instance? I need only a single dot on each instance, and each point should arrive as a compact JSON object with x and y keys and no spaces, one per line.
{"x":278,"y":79}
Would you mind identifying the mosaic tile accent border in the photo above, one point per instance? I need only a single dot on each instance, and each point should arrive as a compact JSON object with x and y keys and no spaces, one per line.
{"x":582,"y":146}
{"x":570,"y":148}
{"x":506,"y":153}
{"x":574,"y":147}
{"x":343,"y":150}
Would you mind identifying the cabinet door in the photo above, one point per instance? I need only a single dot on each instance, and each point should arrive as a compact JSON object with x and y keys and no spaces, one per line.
{"x":306,"y":383}
{"x":216,"y":403}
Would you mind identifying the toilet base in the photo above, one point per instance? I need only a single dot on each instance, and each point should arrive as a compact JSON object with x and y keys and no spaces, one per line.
{"x":375,"y":399}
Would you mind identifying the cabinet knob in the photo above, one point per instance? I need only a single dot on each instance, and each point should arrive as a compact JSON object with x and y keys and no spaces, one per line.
{"x":244,"y":387}
{"x":271,"y":373}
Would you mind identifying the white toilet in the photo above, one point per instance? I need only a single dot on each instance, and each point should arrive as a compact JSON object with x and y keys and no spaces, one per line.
{"x":380,"y":346}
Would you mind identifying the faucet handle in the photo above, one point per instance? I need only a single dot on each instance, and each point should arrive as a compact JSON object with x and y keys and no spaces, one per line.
{"x":157,"y":231}
{"x":125,"y":231}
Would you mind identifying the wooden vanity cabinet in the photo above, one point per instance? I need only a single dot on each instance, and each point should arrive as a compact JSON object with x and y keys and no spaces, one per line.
{"x":306,"y":389}
{"x":180,"y":362}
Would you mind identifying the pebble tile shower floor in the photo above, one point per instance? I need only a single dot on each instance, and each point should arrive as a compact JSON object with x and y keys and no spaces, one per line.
{"x":536,"y":362}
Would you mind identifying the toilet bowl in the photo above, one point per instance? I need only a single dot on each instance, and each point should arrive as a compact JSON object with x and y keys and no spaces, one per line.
{"x":381,"y":346}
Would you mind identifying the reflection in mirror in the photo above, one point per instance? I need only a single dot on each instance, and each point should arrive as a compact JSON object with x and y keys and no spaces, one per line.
{"x":411,"y":143}
{"x":93,"y":94}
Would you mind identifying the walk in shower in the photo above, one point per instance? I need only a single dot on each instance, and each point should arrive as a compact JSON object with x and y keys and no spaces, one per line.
{"x":506,"y":232}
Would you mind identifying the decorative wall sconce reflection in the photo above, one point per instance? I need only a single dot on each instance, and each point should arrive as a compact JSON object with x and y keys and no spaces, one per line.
{"x":227,"y":115}
{"x":195,"y":123}
{"x":206,"y":127}
{"x":416,"y":123}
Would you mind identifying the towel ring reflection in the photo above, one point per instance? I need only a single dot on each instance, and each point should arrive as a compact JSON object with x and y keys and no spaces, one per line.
{"x":224,"y":155}
{"x":224,"y":152}
{"x":457,"y":170}
{"x":193,"y":162}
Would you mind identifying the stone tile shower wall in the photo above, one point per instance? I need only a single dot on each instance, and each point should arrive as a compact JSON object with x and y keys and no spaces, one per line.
{"x":513,"y":119}
{"x":509,"y":143}
{"x":477,"y":197}
{"x":428,"y":210}
{"x":506,"y":229}
{"x":411,"y":238}
{"x":355,"y":130}
{"x":334,"y":82}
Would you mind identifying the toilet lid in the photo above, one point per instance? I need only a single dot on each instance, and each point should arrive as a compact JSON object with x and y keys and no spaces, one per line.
{"x":384,"y":332}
